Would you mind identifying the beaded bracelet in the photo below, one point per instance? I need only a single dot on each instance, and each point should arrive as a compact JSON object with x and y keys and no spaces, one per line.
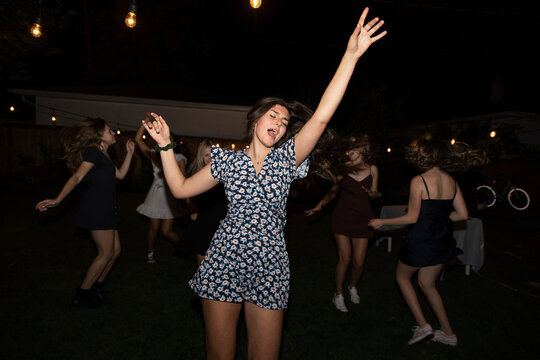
{"x":172,"y":145}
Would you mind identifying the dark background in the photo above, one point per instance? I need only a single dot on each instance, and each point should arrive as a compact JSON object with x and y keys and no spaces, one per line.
{"x":441,"y":59}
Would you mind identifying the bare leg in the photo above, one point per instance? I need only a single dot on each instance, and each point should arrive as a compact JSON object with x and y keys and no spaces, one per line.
{"x":155,"y":224}
{"x":117,"y":249}
{"x":105,"y":243}
{"x":167,"y":230}
{"x":403,"y":278}
{"x":220,"y":320}
{"x":427,"y":277}
{"x":264,"y":331}
{"x":344,"y":254}
{"x":359,"y":252}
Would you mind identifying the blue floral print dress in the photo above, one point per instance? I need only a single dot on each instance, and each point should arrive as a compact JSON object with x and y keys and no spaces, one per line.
{"x":247,"y":259}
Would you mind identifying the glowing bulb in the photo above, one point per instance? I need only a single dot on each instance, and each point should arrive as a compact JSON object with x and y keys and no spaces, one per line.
{"x":255,"y":3}
{"x":233,"y":146}
{"x":217,"y":145}
{"x":388,"y":149}
{"x":12,"y":108}
{"x":144,"y":137}
{"x":53,"y":118}
{"x":492,"y":134}
{"x":453,"y":141}
{"x":36,"y":29}
{"x":247,"y":146}
{"x":118,"y":131}
{"x":131,"y":17}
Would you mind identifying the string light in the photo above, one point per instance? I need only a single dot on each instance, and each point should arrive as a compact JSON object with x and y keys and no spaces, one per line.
{"x":492,"y":134}
{"x":12,"y":108}
{"x":389,"y":149}
{"x":233,"y":146}
{"x":131,"y":17}
{"x":217,"y":145}
{"x":255,"y":3}
{"x":118,"y":132}
{"x":36,"y":28}
{"x":53,"y":118}
{"x":247,"y":146}
{"x":144,"y":137}
{"x":452,"y":142}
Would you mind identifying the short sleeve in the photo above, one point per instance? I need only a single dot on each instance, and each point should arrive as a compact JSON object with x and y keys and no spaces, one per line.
{"x":289,"y":155}
{"x":91,"y":155}
{"x":219,"y":168}
{"x":180,"y":157}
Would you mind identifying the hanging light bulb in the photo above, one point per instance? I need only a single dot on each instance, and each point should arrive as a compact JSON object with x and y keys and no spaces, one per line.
{"x":389,"y":149}
{"x":452,"y":142}
{"x":255,"y":3}
{"x":217,"y":145}
{"x":118,"y":132}
{"x":492,"y":134}
{"x":233,"y":146}
{"x":12,"y":108}
{"x":35,"y":30}
{"x":144,"y":137}
{"x":53,"y":118}
{"x":131,"y":17}
{"x":247,"y":146}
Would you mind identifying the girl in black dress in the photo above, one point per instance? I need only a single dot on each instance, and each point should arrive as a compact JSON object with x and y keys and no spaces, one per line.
{"x":435,"y":201}
{"x":87,"y":158}
{"x":354,"y":187}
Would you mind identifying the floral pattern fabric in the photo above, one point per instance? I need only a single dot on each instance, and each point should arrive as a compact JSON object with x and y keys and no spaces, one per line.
{"x":247,"y":259}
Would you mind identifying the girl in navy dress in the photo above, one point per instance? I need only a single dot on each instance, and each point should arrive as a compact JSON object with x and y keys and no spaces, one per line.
{"x":350,"y":218}
{"x":247,"y":263}
{"x":435,"y":202}
{"x":87,"y":158}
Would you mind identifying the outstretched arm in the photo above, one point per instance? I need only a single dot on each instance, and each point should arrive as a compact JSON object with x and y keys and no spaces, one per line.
{"x":360,"y":40}
{"x":73,"y":181}
{"x":178,"y":184}
{"x":331,"y":194}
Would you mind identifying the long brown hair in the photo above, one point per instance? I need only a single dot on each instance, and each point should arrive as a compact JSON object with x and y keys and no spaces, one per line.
{"x":427,"y":152}
{"x":80,"y":137}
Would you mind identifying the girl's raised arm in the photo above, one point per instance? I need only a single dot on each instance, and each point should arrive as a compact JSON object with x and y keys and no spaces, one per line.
{"x":178,"y":184}
{"x":360,"y":40}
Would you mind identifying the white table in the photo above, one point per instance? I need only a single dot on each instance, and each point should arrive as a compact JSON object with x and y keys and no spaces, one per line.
{"x":469,"y":237}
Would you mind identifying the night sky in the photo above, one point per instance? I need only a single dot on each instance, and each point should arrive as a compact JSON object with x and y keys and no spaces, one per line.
{"x":441,"y":59}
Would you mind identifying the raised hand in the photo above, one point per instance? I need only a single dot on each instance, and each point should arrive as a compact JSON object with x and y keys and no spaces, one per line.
{"x":130,"y":146}
{"x":158,"y":129}
{"x":363,"y":35}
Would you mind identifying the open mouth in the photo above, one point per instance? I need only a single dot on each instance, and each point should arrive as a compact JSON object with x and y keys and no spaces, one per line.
{"x":272,"y":133}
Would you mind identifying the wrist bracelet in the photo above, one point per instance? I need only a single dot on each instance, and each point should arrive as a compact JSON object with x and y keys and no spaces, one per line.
{"x":172,"y":145}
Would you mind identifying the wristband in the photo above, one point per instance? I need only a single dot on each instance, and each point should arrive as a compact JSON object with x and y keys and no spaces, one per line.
{"x":172,"y":145}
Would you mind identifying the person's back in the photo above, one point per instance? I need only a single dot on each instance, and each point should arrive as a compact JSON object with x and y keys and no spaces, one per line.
{"x":439,"y":185}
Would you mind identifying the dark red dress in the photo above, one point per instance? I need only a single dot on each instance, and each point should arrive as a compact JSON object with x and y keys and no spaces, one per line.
{"x":353,"y":210}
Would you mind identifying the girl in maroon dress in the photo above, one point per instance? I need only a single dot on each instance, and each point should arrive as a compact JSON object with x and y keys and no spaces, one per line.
{"x":351,"y":215}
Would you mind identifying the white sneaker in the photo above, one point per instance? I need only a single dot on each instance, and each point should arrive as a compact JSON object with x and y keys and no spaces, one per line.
{"x":421,"y":334}
{"x":150,"y":258}
{"x":339,"y":303}
{"x":355,"y":298}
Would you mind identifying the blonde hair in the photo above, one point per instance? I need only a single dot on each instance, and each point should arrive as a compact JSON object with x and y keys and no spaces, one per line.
{"x":80,"y":137}
{"x":198,"y":162}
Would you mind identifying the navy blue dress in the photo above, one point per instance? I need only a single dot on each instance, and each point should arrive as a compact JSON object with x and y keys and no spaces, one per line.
{"x":247,"y":259}
{"x":98,"y":203}
{"x":430,"y":241}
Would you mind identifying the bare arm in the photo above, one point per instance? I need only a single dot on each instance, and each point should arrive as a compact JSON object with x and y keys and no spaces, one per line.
{"x":413,"y":208}
{"x":73,"y":181}
{"x":121,"y":173}
{"x":140,"y":143}
{"x":178,"y":184}
{"x":331,"y":194}
{"x":375,"y":181}
{"x":359,"y":42}
{"x":460,"y":208}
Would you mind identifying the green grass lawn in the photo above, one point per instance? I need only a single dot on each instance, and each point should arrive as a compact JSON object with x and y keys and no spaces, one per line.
{"x":495,"y":313}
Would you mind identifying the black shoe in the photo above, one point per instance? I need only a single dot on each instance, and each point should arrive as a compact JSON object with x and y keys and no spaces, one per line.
{"x":84,"y":298}
{"x":99,"y":297}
